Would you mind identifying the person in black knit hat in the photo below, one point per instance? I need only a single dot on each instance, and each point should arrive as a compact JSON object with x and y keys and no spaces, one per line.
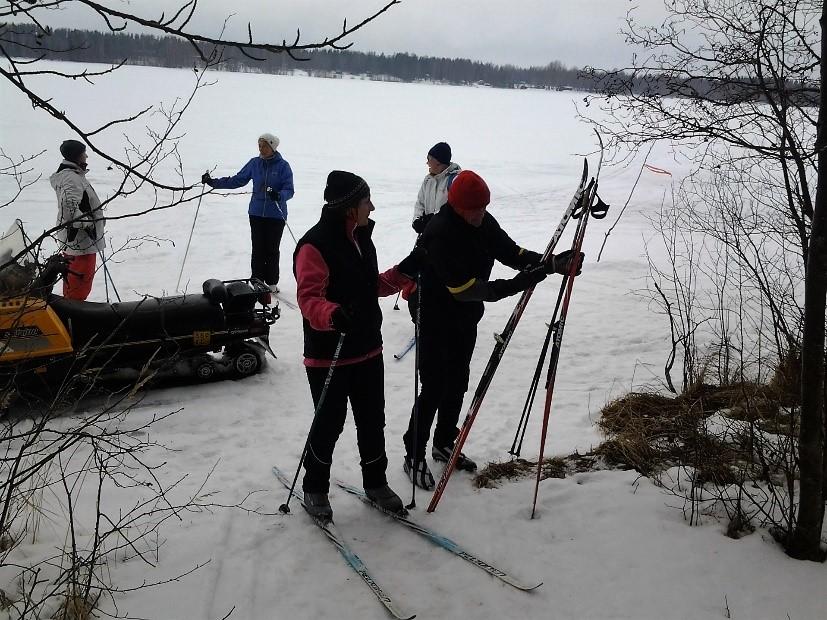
{"x":338,"y":285}
{"x":434,"y":189}
{"x":81,"y":220}
{"x":455,"y":255}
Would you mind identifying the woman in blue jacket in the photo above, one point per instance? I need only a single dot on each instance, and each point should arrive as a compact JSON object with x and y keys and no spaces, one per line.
{"x":272,"y":188}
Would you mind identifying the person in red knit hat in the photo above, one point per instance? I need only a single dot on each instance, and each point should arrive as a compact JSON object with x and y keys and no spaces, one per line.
{"x":455,"y":255}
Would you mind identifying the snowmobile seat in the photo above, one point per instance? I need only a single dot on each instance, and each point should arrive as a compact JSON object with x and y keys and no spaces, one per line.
{"x":147,"y":319}
{"x":215,"y":290}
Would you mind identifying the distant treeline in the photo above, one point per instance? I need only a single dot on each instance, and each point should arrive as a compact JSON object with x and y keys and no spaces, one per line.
{"x":140,"y":49}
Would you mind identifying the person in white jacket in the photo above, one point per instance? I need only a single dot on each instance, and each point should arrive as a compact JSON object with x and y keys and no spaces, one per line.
{"x":80,"y":217}
{"x":434,"y":191}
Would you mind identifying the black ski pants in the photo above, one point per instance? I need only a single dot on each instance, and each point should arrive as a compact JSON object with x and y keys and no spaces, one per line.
{"x":363,"y":385}
{"x":265,"y":235}
{"x":445,"y":353}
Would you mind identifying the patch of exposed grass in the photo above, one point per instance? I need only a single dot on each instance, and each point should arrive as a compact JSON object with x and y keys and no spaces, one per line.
{"x":650,"y":432}
{"x":516,"y":469}
{"x":75,"y":608}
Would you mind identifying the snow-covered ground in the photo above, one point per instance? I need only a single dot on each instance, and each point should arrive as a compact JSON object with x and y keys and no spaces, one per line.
{"x":606,"y":545}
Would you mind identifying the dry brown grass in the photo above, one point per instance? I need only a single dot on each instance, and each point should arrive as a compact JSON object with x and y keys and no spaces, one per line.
{"x":75,"y":608}
{"x":515,"y":469}
{"x":650,"y":432}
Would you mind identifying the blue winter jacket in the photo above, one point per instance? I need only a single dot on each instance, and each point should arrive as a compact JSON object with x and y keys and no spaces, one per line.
{"x":274,"y":173}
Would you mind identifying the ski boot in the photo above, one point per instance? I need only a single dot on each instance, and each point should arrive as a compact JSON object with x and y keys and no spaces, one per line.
{"x":317,"y":506}
{"x":386,"y":499}
{"x":443,"y":455}
{"x":419,"y":474}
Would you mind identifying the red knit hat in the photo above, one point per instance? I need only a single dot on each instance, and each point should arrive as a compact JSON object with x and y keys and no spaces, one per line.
{"x":469,"y":192}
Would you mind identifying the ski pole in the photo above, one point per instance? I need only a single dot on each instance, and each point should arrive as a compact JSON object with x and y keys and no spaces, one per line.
{"x":290,"y":230}
{"x":285,"y":507}
{"x":187,"y":250}
{"x":417,"y":340}
{"x":535,"y":380}
{"x":553,"y":360}
{"x":284,"y":216}
{"x":107,"y":278}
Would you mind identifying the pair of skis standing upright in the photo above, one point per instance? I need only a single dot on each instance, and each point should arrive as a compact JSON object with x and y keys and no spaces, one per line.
{"x":584,"y":203}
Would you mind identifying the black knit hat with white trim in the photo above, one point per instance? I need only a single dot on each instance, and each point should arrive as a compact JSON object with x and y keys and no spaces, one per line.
{"x":344,"y":190}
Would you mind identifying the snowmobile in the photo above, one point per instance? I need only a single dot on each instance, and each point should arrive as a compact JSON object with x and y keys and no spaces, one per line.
{"x":49,"y":343}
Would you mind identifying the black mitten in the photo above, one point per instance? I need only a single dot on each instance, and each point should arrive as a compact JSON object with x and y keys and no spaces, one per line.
{"x":341,"y":319}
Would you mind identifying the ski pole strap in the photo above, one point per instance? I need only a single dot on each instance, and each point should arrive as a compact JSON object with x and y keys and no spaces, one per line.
{"x":599,"y":209}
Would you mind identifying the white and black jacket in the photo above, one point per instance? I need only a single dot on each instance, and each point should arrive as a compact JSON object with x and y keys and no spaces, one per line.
{"x":79,"y":211}
{"x":434,"y":191}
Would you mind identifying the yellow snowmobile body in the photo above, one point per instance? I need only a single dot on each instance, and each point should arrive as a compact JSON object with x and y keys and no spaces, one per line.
{"x":30,"y":329}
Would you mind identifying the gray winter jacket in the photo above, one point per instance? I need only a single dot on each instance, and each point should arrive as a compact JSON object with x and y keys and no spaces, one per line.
{"x":434,"y":191}
{"x":79,"y":211}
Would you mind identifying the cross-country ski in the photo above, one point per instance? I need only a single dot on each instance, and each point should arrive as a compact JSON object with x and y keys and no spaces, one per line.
{"x":441,"y":541}
{"x":332,"y":533}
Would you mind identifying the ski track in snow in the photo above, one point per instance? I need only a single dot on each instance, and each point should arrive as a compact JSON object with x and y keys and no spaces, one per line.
{"x":606,"y":544}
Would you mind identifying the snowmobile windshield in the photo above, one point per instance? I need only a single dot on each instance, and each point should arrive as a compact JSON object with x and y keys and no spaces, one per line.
{"x":12,"y":246}
{"x":17,"y":263}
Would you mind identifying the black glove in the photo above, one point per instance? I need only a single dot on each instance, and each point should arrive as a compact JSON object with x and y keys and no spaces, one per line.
{"x":498,"y":289}
{"x":273,"y":195}
{"x":342,"y":319}
{"x":530,"y":277}
{"x":561,"y":263}
{"x":206,"y":179}
{"x":421,"y":222}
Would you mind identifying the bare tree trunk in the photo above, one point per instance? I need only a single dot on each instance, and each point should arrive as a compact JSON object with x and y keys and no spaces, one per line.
{"x":806,"y":540}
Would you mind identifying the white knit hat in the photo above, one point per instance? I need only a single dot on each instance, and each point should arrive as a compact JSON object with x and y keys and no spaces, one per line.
{"x":270,"y":139}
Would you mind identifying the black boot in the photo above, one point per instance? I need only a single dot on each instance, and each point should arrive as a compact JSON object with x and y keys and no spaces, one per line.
{"x":318,"y":506}
{"x":386,"y":499}
{"x":443,"y":455}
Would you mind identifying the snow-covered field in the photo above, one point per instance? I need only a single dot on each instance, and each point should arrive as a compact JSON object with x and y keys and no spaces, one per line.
{"x":606,"y":545}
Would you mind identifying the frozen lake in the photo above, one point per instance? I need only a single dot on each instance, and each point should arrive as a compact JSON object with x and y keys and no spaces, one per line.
{"x":606,"y":545}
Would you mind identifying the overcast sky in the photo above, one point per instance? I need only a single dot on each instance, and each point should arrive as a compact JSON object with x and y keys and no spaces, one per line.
{"x":522,"y":32}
